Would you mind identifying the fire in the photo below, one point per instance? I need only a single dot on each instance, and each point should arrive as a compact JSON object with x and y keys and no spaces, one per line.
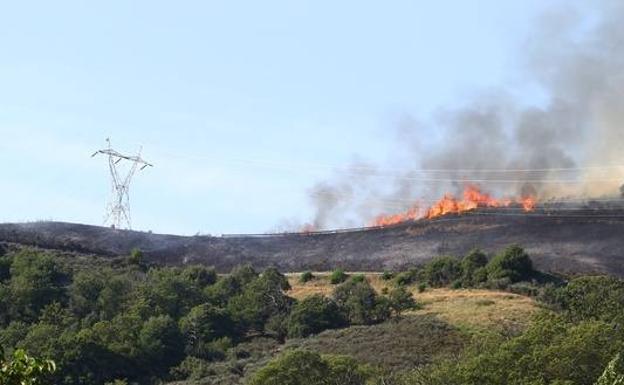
{"x":472,"y":199}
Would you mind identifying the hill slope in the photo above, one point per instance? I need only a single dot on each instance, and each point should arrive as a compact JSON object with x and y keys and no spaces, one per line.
{"x":591,"y":242}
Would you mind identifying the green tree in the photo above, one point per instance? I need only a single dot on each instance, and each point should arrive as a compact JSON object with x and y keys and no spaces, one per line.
{"x":260,"y":300}
{"x":472,"y":266}
{"x":160,"y":343}
{"x":313,"y":315}
{"x":36,"y":280}
{"x":309,"y":368}
{"x":401,"y":300}
{"x":441,"y":271}
{"x":513,"y":263}
{"x":293,"y":368}
{"x":360,"y":303}
{"x":22,"y":369}
{"x":205,"y":323}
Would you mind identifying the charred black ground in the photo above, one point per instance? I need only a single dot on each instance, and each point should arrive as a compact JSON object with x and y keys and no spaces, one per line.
{"x":559,"y":237}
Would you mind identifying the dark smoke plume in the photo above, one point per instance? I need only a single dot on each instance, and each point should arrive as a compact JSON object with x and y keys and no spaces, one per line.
{"x":578,"y":61}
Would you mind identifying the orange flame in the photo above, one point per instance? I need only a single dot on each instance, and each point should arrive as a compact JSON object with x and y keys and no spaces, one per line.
{"x":472,"y":199}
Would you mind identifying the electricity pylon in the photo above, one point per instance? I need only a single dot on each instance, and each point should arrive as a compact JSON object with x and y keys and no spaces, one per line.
{"x":118,"y":210}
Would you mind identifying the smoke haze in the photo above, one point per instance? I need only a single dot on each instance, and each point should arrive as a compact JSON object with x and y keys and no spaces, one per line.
{"x":577,"y":59}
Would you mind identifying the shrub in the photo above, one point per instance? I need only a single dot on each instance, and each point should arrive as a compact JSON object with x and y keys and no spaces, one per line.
{"x":387,"y":275}
{"x":406,"y":277}
{"x":337,"y":276}
{"x":309,"y":368}
{"x":313,"y":315}
{"x":401,"y":300}
{"x":358,"y":278}
{"x":306,"y":276}
{"x":360,"y":303}
{"x":472,"y":263}
{"x":136,"y":257}
{"x":441,"y":271}
{"x":422,"y":287}
{"x":513,"y":263}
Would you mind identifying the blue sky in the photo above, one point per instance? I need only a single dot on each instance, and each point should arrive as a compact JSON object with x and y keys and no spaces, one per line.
{"x":232,"y":101}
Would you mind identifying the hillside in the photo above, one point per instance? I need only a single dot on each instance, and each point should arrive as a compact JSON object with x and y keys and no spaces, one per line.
{"x":587,"y":242}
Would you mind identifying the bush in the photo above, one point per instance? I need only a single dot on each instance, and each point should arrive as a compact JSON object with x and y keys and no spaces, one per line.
{"x":422,"y":287}
{"x":441,"y":271}
{"x":337,"y":276}
{"x":406,"y":277}
{"x":306,"y":276}
{"x":401,"y":300}
{"x":360,"y":303}
{"x":136,"y":257}
{"x":387,"y":275}
{"x":473,"y":267}
{"x":358,"y":278}
{"x":513,"y":263}
{"x":308,"y":368}
{"x":313,"y":315}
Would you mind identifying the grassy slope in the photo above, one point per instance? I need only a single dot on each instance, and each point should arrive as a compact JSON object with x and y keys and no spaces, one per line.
{"x":463,"y":308}
{"x":446,"y":322}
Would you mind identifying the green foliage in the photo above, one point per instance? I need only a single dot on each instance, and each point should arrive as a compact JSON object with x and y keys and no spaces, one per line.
{"x":613,"y":373}
{"x":405,"y":278}
{"x":473,"y":268}
{"x":203,"y":324}
{"x":313,"y":315}
{"x":135,"y":257}
{"x":401,"y":300}
{"x":22,"y":369}
{"x":308,"y":368}
{"x":441,"y":271}
{"x":306,"y":276}
{"x":337,"y":276}
{"x":600,"y":298}
{"x":262,"y":298}
{"x":513,"y":264}
{"x":387,"y":275}
{"x":36,"y":280}
{"x":422,"y":287}
{"x":550,"y":351}
{"x":360,"y":303}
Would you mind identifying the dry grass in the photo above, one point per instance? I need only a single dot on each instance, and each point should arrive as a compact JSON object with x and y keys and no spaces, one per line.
{"x":478,"y":308}
{"x":473,"y":308}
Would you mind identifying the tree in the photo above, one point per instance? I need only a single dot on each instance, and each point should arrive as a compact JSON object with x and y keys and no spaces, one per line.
{"x":472,"y":267}
{"x":313,"y":315}
{"x":160,"y":343}
{"x":203,"y":324}
{"x":36,"y":280}
{"x":360,"y":303}
{"x":260,"y":300}
{"x":23,"y":369}
{"x":293,"y":368}
{"x":401,"y":300}
{"x":441,"y":271}
{"x":309,"y":368}
{"x":513,"y":263}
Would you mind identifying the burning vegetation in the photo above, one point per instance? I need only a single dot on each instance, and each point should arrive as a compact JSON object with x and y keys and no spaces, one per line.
{"x":473,"y":198}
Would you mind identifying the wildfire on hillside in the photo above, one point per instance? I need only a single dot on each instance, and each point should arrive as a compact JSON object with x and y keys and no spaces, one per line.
{"x":472,"y":199}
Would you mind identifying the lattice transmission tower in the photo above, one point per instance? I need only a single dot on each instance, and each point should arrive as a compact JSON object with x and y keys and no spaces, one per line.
{"x":118,"y":208}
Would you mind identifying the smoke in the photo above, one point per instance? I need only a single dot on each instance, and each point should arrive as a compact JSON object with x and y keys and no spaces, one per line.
{"x":577,"y":59}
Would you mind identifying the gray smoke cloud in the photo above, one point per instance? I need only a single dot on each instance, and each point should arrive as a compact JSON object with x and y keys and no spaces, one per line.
{"x":577,"y":59}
